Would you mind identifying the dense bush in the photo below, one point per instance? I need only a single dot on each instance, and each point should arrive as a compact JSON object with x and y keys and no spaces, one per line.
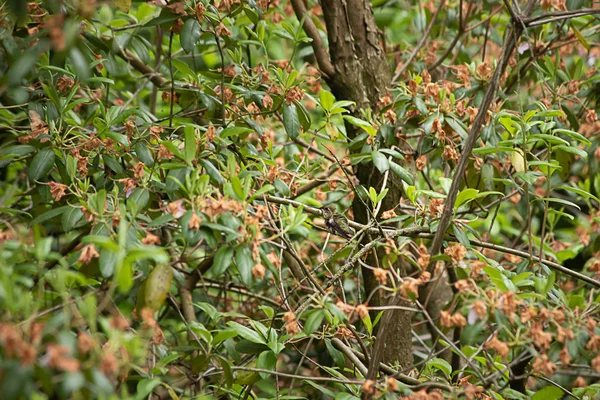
{"x":299,"y":199}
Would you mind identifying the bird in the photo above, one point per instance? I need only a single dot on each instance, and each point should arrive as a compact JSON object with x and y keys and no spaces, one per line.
{"x":337,"y":223}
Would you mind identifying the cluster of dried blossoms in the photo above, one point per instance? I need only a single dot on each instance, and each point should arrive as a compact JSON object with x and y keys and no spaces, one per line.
{"x":291,"y":323}
{"x":30,"y":348}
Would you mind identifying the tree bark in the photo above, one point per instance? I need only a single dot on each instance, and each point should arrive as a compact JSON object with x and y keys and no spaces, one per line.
{"x":362,"y":74}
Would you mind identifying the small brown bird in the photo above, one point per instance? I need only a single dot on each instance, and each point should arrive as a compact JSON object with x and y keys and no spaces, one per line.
{"x":337,"y":223}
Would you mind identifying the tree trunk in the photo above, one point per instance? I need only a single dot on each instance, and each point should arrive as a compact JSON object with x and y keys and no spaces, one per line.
{"x":362,"y":74}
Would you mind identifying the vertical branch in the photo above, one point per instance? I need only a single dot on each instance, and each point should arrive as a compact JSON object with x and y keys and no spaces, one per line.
{"x":510,"y":42}
{"x":220,"y":49}
{"x":159,"y":37}
{"x":172,"y":80}
{"x":312,"y":32}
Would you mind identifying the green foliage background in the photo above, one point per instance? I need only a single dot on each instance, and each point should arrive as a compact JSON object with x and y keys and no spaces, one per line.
{"x":162,"y":171}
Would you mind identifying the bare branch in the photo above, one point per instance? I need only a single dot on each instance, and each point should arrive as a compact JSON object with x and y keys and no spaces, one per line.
{"x":318,"y":46}
{"x":510,"y":43}
{"x":421,"y":42}
{"x":135,"y":62}
{"x":558,"y":16}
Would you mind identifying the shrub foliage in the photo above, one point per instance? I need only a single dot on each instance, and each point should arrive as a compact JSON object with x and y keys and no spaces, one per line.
{"x":299,"y":199}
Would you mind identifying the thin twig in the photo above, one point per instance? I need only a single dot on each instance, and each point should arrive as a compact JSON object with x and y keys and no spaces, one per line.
{"x":558,"y":16}
{"x":350,"y":355}
{"x":423,"y":232}
{"x":421,"y":42}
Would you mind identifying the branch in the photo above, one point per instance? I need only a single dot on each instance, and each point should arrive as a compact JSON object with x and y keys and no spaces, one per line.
{"x":187,"y":288}
{"x":312,"y":32}
{"x":558,"y":16}
{"x":462,"y":22}
{"x":425,"y":233}
{"x":421,"y":42}
{"x":349,"y":355}
{"x":523,"y":254}
{"x":316,"y":182}
{"x":512,"y":33}
{"x":414,"y":383}
{"x":139,"y":65}
{"x":230,"y":288}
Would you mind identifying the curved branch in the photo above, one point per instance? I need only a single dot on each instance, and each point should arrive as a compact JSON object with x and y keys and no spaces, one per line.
{"x":312,"y":32}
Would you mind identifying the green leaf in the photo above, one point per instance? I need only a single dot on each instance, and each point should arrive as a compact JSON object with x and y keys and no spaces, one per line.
{"x":402,"y":173}
{"x":548,"y":393}
{"x":244,"y":263}
{"x":156,"y":287}
{"x":248,"y":347}
{"x":140,"y":196}
{"x":222,"y":260}
{"x":144,"y":154}
{"x":575,"y":135}
{"x":80,"y":64}
{"x":107,"y":262}
{"x":581,"y":38}
{"x":263,"y":190}
{"x":561,"y":201}
{"x":17,"y":150}
{"x":125,"y":277}
{"x":368,"y":323}
{"x":314,"y":321}
{"x":544,"y":137}
{"x":550,"y":282}
{"x":71,"y":217}
{"x":22,"y":66}
{"x":328,"y":393}
{"x":266,"y":360}
{"x":213,"y":172}
{"x":499,"y":279}
{"x":41,"y":164}
{"x":190,"y":143}
{"x":49,"y":215}
{"x":303,"y":116}
{"x":327,"y":100}
{"x":291,"y":122}
{"x":392,"y":153}
{"x":458,"y":127}
{"x":190,"y":33}
{"x":580,"y":192}
{"x":247,"y":333}
{"x":234,"y":131}
{"x":361,"y":124}
{"x":440,"y":364}
{"x":421,"y":106}
{"x":573,"y":150}
{"x":380,"y":161}
{"x":113,"y":164}
{"x":465,"y":196}
{"x":461,"y":235}
{"x":173,"y":149}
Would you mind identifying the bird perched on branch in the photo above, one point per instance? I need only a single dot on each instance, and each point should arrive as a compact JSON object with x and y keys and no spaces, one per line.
{"x":337,"y":223}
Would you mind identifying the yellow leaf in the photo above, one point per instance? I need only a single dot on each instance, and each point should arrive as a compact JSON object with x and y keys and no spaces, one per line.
{"x":332,"y":131}
{"x":518,"y":160}
{"x":155,"y":289}
{"x":123,"y":5}
{"x":581,"y":39}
